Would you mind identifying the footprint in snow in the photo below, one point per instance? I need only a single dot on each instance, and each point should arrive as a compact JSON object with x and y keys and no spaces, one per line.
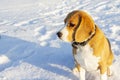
{"x":44,"y":36}
{"x":27,"y":22}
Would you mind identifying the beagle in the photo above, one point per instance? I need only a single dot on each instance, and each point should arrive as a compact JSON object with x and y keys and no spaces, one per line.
{"x":91,"y":49}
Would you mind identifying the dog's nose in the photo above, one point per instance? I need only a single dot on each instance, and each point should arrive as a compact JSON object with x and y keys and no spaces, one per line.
{"x":59,"y":34}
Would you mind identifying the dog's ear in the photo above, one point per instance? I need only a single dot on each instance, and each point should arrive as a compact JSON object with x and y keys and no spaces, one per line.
{"x":77,"y":26}
{"x":69,"y":16}
{"x":86,"y":27}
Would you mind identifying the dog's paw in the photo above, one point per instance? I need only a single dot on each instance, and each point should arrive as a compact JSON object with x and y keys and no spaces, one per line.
{"x":75,"y":72}
{"x":110,"y":71}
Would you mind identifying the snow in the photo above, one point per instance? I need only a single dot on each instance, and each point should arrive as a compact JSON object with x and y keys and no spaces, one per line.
{"x":30,"y":49}
{"x":4,"y":59}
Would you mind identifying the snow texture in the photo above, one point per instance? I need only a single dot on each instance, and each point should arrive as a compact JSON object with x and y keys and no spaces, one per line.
{"x":29,"y":47}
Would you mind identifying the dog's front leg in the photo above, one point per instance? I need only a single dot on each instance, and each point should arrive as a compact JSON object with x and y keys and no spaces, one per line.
{"x":80,"y":72}
{"x":103,"y":72}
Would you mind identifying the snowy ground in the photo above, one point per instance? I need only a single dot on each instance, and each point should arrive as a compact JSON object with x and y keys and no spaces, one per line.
{"x":29,"y":47}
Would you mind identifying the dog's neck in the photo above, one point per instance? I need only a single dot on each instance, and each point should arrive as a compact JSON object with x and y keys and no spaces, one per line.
{"x":83,"y":43}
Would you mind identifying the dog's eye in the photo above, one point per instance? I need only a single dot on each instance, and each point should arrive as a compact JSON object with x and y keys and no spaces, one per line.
{"x":72,"y":25}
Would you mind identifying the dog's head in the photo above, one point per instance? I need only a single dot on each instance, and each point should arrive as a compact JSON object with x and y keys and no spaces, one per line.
{"x":78,"y":27}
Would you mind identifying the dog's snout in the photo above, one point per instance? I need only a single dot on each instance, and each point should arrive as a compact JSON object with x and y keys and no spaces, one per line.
{"x":59,"y":34}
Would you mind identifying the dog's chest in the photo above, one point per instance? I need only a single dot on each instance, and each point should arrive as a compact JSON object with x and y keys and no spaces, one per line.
{"x":86,"y":59}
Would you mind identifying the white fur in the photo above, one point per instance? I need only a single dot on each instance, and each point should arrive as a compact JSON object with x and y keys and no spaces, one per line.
{"x":65,"y":33}
{"x":110,"y":67}
{"x":104,"y":76}
{"x":86,"y":59}
{"x":82,"y":74}
{"x":76,"y":72}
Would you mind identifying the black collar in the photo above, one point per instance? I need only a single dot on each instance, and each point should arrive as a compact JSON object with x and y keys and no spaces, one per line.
{"x":75,"y":44}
